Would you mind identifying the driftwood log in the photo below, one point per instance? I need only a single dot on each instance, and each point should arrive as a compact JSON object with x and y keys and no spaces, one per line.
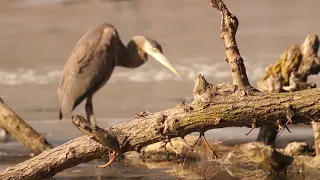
{"x":20,"y":130}
{"x":214,"y":106}
{"x":229,"y":110}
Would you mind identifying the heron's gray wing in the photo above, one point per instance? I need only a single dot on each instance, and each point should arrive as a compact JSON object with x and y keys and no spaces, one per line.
{"x":86,"y":69}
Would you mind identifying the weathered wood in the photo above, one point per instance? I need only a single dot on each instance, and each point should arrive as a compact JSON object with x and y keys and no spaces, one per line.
{"x":226,"y":109}
{"x":290,"y":73}
{"x":229,"y":27}
{"x":54,"y":160}
{"x":108,"y":138}
{"x":316,"y":132}
{"x":20,"y":130}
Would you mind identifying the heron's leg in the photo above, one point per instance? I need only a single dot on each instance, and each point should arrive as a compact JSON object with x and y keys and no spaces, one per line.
{"x":89,"y":110}
{"x":112,"y":157}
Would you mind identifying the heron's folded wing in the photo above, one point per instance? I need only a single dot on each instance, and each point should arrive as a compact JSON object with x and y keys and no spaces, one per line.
{"x":79,"y":71}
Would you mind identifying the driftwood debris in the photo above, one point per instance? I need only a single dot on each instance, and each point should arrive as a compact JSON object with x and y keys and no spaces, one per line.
{"x":20,"y":130}
{"x":290,"y":73}
{"x":175,"y":122}
{"x":214,"y":106}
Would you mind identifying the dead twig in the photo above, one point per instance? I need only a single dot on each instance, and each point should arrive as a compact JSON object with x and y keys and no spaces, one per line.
{"x":281,"y":126}
{"x":142,"y":114}
{"x":213,"y":154}
{"x":252,"y":127}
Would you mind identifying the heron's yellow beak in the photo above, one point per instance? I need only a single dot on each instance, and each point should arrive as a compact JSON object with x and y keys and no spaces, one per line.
{"x":164,"y":61}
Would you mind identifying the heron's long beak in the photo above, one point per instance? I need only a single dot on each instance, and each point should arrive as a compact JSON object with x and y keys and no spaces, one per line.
{"x":164,"y":61}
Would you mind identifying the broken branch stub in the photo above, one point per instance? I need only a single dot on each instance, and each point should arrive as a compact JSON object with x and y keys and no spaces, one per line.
{"x":107,"y":137}
{"x":291,"y":71}
{"x":311,"y":62}
{"x":229,"y":26}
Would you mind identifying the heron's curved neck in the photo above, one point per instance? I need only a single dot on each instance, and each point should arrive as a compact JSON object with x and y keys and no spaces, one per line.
{"x":130,"y":56}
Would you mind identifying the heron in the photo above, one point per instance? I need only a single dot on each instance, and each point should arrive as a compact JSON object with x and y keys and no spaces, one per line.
{"x":93,"y":60}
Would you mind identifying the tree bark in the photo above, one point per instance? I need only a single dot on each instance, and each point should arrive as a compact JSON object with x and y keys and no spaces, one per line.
{"x":214,"y":106}
{"x":227,"y":107}
{"x":20,"y":130}
{"x":229,"y":27}
{"x":291,"y":71}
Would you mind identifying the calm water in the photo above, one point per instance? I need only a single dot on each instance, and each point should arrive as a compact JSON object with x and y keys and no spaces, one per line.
{"x":36,"y":39}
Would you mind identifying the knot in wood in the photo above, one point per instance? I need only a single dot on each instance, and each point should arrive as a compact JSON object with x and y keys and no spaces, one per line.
{"x":182,"y":103}
{"x":170,"y":127}
{"x":202,"y":91}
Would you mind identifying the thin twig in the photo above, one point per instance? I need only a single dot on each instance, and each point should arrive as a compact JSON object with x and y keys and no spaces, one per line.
{"x":213,"y":154}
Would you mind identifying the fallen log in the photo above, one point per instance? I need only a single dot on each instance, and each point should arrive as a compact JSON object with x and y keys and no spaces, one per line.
{"x":214,"y":107}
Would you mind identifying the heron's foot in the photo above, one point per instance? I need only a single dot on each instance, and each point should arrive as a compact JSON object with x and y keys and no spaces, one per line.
{"x":112,"y":157}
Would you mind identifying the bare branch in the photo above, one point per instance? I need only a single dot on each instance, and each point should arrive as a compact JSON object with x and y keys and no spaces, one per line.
{"x":20,"y":130}
{"x":229,"y":26}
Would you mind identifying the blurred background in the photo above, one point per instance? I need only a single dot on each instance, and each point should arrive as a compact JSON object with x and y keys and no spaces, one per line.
{"x":37,"y":36}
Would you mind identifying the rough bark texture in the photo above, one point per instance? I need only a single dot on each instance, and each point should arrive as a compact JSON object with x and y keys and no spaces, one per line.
{"x":214,"y":106}
{"x":20,"y":130}
{"x":291,"y":71}
{"x":229,"y":27}
{"x":54,"y":160}
{"x":316,"y":132}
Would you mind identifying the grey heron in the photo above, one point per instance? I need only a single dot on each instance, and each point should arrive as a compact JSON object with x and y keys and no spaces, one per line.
{"x":93,"y":60}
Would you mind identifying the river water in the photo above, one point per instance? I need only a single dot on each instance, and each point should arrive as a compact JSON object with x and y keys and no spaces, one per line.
{"x":36,"y":38}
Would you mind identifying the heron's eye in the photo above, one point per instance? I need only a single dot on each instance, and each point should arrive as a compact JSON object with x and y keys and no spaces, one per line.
{"x":154,"y":49}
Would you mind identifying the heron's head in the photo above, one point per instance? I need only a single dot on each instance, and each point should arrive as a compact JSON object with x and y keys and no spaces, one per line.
{"x":154,"y":49}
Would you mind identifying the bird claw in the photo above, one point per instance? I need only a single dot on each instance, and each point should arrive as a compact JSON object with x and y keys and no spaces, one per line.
{"x":112,"y":157}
